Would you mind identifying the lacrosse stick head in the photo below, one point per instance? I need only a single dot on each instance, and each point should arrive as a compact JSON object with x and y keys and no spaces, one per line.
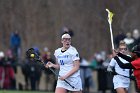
{"x":32,"y":55}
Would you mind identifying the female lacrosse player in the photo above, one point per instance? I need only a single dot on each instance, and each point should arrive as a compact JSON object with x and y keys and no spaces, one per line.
{"x":68,"y":63}
{"x":121,"y":83}
{"x":134,"y":63}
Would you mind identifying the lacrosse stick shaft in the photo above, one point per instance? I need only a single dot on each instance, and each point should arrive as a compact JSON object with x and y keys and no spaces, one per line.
{"x":111,"y":34}
{"x":125,"y":76}
{"x":58,"y":75}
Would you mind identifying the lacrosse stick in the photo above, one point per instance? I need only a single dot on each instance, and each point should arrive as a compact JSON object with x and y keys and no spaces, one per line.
{"x":115,"y":73}
{"x":33,"y":55}
{"x":110,"y":15}
{"x":132,"y":78}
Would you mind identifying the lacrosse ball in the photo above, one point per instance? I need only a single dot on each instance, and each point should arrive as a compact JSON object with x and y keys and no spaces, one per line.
{"x":32,"y":55}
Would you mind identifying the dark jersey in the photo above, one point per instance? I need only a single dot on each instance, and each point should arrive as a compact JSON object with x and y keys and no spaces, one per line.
{"x":136,"y":64}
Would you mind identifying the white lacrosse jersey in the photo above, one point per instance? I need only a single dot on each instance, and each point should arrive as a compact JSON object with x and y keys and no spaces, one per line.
{"x":66,"y":59}
{"x":118,"y":69}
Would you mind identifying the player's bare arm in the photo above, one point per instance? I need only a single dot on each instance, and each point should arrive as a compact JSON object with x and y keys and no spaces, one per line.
{"x":74,"y":69}
{"x":50,"y":64}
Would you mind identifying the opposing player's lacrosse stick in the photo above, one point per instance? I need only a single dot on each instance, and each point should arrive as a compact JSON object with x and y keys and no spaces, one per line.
{"x":33,"y":55}
{"x":115,"y":73}
{"x":132,"y":77}
{"x":110,"y":15}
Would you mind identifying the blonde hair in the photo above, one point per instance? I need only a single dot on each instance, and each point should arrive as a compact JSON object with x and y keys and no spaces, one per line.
{"x":122,"y":43}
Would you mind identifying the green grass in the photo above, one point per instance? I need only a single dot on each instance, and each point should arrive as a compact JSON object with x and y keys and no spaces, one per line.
{"x":14,"y":91}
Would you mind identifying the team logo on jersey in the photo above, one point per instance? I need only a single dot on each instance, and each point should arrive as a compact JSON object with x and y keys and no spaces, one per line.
{"x":63,"y":56}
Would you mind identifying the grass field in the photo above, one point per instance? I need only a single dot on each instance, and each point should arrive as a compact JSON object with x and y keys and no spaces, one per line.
{"x":12,"y":91}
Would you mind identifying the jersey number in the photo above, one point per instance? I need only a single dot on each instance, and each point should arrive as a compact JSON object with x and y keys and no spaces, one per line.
{"x":61,"y":62}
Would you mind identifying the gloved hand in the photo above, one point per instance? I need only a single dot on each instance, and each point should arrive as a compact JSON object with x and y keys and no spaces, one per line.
{"x":132,"y":78}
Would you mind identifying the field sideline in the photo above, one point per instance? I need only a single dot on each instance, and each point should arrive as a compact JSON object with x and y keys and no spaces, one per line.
{"x":13,"y":91}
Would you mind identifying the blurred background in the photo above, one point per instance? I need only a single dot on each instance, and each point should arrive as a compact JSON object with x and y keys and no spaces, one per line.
{"x":40,"y":23}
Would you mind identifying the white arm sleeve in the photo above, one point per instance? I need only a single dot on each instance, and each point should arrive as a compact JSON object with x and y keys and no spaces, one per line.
{"x":75,"y":56}
{"x":112,"y":62}
{"x":111,"y":65}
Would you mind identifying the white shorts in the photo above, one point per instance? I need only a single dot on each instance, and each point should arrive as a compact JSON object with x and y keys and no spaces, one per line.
{"x":74,"y":81}
{"x":121,"y":81}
